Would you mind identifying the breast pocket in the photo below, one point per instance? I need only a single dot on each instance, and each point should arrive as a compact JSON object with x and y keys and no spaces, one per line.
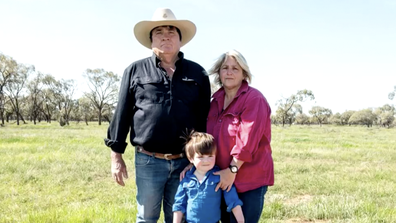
{"x":150,"y":91}
{"x":192,"y":189}
{"x":189,"y":91}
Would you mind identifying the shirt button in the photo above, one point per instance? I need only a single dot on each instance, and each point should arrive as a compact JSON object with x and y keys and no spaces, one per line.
{"x":219,"y":120}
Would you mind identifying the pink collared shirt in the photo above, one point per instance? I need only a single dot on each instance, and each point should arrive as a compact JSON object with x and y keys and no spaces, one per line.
{"x":243,"y":130}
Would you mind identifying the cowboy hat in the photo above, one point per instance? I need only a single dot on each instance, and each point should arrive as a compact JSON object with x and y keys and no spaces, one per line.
{"x":164,"y":17}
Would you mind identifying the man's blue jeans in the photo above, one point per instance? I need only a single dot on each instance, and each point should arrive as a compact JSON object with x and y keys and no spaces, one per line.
{"x":253,"y":204}
{"x":157,"y":181}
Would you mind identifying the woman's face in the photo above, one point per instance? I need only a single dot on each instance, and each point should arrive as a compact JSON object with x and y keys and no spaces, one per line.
{"x":231,"y":74}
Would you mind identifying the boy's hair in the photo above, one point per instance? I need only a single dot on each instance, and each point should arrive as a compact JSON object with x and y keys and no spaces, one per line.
{"x":200,"y":143}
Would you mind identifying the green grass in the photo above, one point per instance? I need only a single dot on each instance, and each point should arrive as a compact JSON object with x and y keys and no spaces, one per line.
{"x":332,"y":174}
{"x":51,"y":174}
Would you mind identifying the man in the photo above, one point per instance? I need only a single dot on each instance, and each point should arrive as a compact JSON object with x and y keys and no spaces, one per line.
{"x":161,"y":98}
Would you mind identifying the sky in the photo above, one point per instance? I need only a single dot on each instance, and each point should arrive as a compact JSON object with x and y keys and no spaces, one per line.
{"x":344,"y":51}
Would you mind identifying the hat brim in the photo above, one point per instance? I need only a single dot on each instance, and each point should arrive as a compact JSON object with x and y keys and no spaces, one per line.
{"x":142,"y":30}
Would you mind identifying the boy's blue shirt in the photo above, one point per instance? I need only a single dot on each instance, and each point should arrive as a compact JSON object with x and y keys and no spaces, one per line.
{"x":199,"y":201}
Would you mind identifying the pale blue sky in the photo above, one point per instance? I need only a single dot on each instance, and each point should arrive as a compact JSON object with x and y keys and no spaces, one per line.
{"x":342,"y":50}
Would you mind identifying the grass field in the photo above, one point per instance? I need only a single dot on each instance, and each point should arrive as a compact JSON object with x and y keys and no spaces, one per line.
{"x":52,"y":174}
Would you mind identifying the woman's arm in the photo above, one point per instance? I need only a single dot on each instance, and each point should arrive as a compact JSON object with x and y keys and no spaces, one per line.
{"x":227,"y":177}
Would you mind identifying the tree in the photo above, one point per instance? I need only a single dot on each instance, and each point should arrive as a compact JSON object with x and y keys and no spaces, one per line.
{"x":8,"y":69}
{"x":320,"y":114}
{"x":8,"y":109}
{"x":385,"y":115}
{"x":346,"y":116}
{"x":103,"y":87}
{"x":65,"y":100}
{"x":35,"y":97}
{"x":284,"y":112}
{"x":392,"y":94}
{"x":363,"y":117}
{"x":50,"y":93}
{"x":83,"y":110}
{"x":302,"y":119}
{"x":14,"y":88}
{"x":295,"y":110}
{"x":335,"y":118}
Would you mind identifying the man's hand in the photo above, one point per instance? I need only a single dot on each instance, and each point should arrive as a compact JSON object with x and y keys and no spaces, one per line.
{"x":118,"y":168}
{"x":183,"y":173}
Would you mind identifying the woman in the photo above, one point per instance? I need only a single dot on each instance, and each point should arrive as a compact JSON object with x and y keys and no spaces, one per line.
{"x":239,"y":120}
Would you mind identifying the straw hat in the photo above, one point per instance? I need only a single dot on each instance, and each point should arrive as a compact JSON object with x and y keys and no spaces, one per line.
{"x":163,"y":17}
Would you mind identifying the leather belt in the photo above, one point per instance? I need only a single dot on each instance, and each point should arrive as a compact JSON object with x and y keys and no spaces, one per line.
{"x":167,"y":156}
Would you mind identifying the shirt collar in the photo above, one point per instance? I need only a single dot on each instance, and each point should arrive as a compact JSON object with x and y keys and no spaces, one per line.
{"x":220,"y":93}
{"x":157,"y":61}
{"x":190,"y":173}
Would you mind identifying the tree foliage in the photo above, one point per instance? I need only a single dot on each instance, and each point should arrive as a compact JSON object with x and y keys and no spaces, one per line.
{"x":392,"y":94}
{"x":385,"y":115}
{"x":302,"y":119}
{"x":320,"y":114}
{"x":103,"y":92}
{"x":8,"y":69}
{"x":15,"y":86}
{"x":346,"y":116}
{"x":285,"y":112}
{"x":363,"y":117}
{"x":65,"y":100}
{"x":29,"y":95}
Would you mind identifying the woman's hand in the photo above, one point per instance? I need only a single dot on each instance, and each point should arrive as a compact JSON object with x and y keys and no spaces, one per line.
{"x":183,"y":173}
{"x":227,"y":178}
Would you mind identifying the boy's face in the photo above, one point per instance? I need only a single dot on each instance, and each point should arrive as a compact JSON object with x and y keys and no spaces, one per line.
{"x":203,"y":162}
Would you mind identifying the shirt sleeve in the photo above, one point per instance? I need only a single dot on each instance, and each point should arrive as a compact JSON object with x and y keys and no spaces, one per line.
{"x":255,"y":119}
{"x":231,"y":198}
{"x":120,"y":125}
{"x":204,"y":103}
{"x":180,"y":203}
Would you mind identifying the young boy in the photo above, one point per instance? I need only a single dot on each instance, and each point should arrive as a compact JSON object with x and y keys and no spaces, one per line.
{"x":196,"y":196}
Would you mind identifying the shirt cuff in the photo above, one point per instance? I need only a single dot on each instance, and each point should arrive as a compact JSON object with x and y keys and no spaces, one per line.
{"x":116,"y":146}
{"x":233,"y":205}
{"x":178,"y":208}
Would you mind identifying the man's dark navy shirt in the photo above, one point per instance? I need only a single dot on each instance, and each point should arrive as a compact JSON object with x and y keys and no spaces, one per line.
{"x":157,"y":110}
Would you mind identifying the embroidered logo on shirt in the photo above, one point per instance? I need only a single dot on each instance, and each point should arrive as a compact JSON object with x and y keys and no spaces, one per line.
{"x":187,"y":79}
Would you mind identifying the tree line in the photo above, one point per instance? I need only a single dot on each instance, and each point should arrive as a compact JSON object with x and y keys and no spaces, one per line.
{"x":290,"y":112}
{"x":29,"y":95}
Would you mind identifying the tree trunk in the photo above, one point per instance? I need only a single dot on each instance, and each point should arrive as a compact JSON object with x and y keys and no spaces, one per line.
{"x":100,"y":116}
{"x":2,"y":117}
{"x":17,"y":118}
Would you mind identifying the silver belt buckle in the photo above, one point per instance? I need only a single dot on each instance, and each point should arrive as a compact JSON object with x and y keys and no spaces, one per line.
{"x":166,"y":156}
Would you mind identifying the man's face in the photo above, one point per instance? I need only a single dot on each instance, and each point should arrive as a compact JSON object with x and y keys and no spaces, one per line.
{"x":165,"y":40}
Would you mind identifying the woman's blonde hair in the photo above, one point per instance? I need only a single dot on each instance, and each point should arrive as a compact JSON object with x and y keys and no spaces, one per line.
{"x":215,"y":70}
